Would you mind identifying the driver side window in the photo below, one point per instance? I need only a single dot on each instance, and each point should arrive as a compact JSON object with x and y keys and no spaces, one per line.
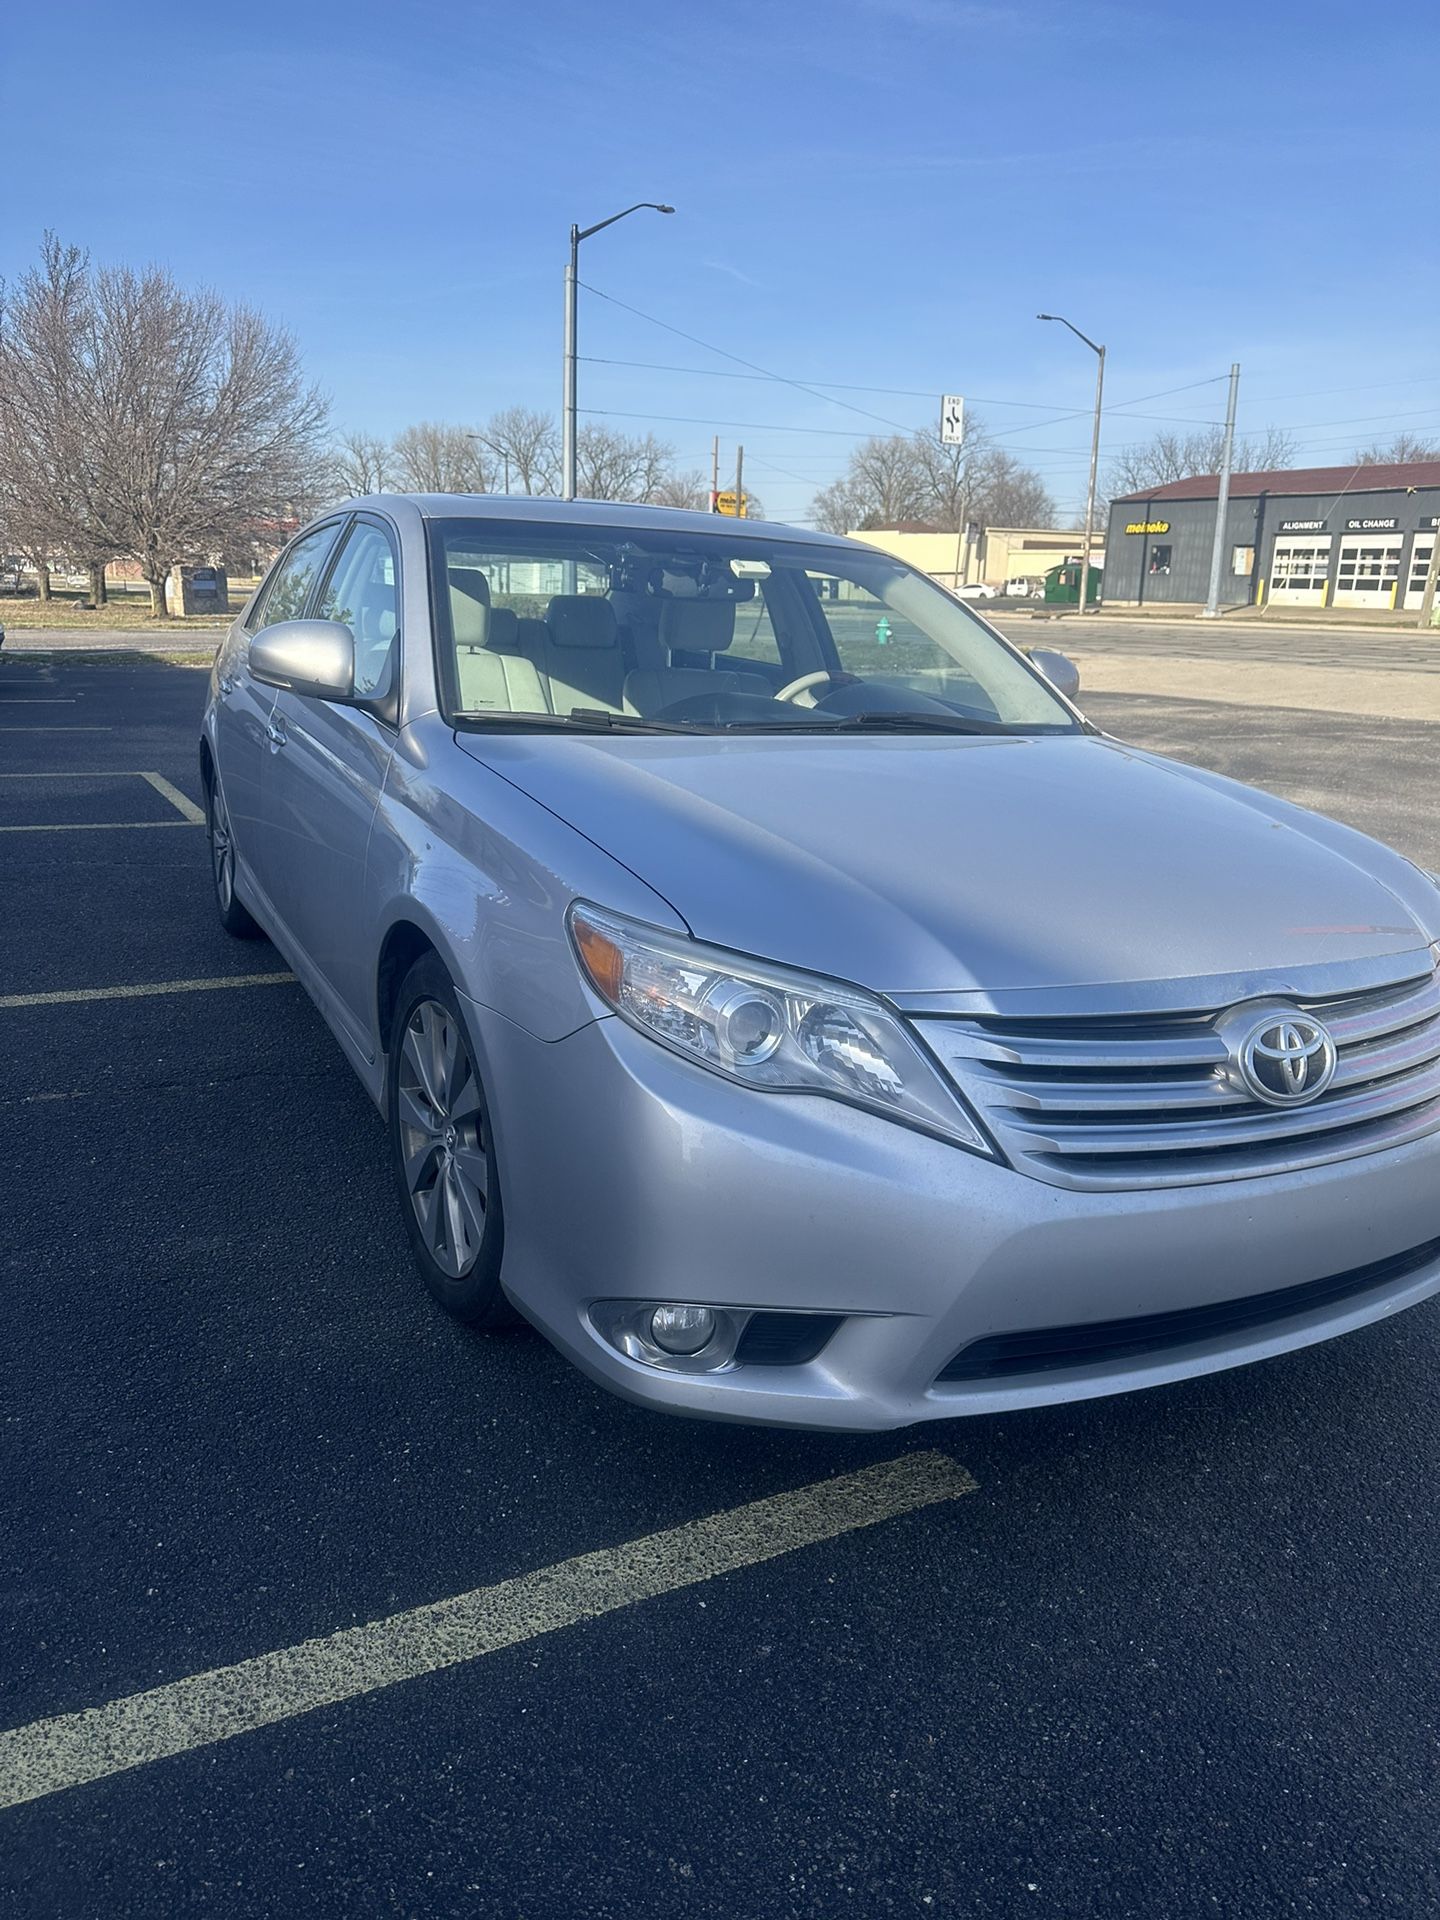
{"x":363,"y":594}
{"x":289,"y":588}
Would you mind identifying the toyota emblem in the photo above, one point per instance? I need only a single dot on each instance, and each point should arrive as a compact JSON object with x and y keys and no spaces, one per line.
{"x":1286,"y":1059}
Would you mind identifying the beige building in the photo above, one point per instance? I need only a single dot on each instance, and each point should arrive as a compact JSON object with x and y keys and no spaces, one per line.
{"x":997,"y":555}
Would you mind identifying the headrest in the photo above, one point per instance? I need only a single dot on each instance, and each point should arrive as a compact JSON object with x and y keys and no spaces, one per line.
{"x":697,"y":626}
{"x":581,"y":620}
{"x":504,"y":630}
{"x":469,"y":606}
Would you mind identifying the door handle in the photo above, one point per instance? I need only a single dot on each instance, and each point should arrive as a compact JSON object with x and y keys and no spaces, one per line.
{"x":275,"y":735}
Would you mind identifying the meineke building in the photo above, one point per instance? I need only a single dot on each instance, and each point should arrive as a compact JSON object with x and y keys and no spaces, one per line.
{"x":1358,"y":537}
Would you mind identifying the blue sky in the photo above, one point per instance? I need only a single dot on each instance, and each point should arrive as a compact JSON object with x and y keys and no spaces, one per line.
{"x":876,"y":192}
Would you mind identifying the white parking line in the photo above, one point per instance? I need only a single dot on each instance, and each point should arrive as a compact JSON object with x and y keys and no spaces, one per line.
{"x":190,"y":814}
{"x":72,"y":1748}
{"x":147,"y":988}
{"x":102,"y":826}
{"x":57,"y":729}
{"x":181,"y":802}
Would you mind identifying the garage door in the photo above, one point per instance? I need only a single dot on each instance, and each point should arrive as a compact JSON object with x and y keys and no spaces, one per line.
{"x":1299,"y":571}
{"x":1369,"y":571}
{"x":1419,"y":567}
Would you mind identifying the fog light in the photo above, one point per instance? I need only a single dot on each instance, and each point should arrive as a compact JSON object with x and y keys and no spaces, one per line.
{"x":682,"y":1329}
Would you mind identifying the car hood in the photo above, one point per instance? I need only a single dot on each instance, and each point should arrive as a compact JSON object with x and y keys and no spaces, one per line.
{"x":937,"y":864}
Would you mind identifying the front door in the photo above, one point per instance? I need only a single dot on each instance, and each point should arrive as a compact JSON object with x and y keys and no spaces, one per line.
{"x":322,"y":784}
{"x":1369,"y":571}
{"x":244,"y":706}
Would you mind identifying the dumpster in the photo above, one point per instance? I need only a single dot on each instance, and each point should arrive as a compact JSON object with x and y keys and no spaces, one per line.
{"x":1062,"y":585}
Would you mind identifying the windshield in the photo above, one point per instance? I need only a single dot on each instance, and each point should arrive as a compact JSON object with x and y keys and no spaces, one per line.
{"x":631,"y":629}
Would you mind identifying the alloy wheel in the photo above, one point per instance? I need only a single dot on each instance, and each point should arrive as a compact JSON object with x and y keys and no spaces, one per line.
{"x":442,"y":1137}
{"x":222,"y":848}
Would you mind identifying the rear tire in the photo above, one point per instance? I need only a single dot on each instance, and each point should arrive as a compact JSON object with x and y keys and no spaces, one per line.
{"x":234,"y":917}
{"x":443,"y":1151}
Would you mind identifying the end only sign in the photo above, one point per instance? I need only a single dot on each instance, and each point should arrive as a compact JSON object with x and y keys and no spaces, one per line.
{"x":952,"y":420}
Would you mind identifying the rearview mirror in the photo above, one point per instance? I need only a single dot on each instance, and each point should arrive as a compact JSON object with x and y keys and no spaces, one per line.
{"x":1062,"y":674}
{"x":315,"y":657}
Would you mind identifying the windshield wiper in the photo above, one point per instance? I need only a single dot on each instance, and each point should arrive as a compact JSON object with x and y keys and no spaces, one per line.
{"x":578,"y":720}
{"x":881,"y":722}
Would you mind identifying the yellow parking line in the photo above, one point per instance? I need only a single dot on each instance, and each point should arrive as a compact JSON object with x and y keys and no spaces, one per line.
{"x":72,"y":1748}
{"x":181,"y":802}
{"x":103,"y":826}
{"x":146,"y":989}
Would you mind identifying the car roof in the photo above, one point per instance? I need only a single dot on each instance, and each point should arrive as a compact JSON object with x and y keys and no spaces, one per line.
{"x":534,"y":509}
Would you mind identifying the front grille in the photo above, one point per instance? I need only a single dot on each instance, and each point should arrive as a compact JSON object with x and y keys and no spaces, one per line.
{"x":1149,"y":1101}
{"x":1041,"y":1350}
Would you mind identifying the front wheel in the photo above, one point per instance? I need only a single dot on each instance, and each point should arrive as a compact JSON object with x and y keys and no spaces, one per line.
{"x":234,"y":917}
{"x":444,"y":1152}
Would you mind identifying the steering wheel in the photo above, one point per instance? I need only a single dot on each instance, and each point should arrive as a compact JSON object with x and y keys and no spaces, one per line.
{"x":808,"y":681}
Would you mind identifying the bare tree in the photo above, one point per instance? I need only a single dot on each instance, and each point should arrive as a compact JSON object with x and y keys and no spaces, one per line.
{"x":1173,"y":456}
{"x":137,"y":418}
{"x":207,"y":424}
{"x":364,"y":463}
{"x":619,"y":466}
{"x":434,"y":457}
{"x":530,"y":442}
{"x":690,"y":490}
{"x":47,"y":481}
{"x":912,"y":480}
{"x":841,"y":507}
{"x":1405,"y":446}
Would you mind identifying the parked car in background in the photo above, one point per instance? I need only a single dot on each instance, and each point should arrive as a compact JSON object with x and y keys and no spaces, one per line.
{"x":783,"y":997}
{"x":1020,"y":588}
{"x":976,"y":590}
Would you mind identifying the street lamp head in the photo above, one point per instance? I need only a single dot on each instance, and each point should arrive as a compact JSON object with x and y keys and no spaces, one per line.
{"x":659,"y":209}
{"x":1047,"y":316}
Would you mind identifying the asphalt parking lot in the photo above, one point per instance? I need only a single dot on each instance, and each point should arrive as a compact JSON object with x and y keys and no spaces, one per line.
{"x":1173,"y":1655}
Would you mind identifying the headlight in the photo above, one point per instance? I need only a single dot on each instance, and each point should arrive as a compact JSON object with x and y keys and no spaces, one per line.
{"x":768,"y":1028}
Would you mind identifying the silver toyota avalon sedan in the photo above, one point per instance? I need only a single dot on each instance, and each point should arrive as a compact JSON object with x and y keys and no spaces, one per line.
{"x":782,"y":996}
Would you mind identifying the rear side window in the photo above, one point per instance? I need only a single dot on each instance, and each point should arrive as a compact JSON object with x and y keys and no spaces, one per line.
{"x":289,"y":589}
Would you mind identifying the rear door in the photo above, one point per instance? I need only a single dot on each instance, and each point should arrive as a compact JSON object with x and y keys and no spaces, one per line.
{"x":323,"y":778}
{"x":243,"y":706}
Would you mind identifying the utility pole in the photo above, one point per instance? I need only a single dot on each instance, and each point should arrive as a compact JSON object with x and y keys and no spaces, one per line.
{"x":1222,"y":498}
{"x":1432,"y":580}
{"x":740,"y":481}
{"x":714,"y":472}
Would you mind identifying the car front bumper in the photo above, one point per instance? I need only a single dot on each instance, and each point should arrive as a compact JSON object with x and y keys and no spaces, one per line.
{"x":628,"y":1173}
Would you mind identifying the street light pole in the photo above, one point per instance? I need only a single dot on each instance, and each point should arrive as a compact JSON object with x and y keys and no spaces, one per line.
{"x":1099,"y":353}
{"x":500,"y":453}
{"x":572,"y":281}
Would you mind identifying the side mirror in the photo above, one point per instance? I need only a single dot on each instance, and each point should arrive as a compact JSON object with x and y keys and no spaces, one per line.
{"x":316,"y":657}
{"x":1062,"y":674}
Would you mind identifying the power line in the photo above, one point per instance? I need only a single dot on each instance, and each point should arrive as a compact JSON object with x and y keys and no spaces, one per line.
{"x":813,"y":390}
{"x":753,"y":365}
{"x":852,"y":386}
